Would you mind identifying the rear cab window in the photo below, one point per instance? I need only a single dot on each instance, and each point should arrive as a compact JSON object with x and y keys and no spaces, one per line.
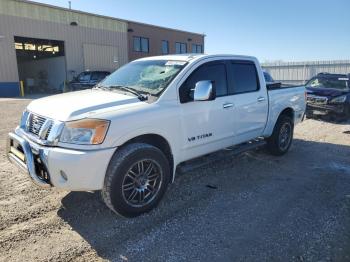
{"x":98,"y":76}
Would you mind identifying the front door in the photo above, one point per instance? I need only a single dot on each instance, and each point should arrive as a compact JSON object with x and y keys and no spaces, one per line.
{"x":206,"y":125}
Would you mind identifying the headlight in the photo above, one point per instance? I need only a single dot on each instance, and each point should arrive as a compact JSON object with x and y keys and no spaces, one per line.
{"x":339,"y":99}
{"x":85,"y":131}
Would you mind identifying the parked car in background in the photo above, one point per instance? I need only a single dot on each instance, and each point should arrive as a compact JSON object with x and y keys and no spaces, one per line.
{"x":128,"y":135}
{"x":328,"y":94}
{"x":87,"y":79}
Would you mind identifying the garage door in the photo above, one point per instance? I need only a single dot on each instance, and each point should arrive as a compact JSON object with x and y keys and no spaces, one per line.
{"x":100,"y":57}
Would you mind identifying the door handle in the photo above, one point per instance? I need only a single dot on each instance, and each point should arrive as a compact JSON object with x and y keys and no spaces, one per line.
{"x":227,"y":105}
{"x":261,"y":99}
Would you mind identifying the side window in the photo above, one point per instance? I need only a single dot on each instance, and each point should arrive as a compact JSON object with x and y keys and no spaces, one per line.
{"x":140,"y":44}
{"x":84,"y":77}
{"x":144,"y":45}
{"x":94,"y":76}
{"x":244,"y":77}
{"x":197,"y":48}
{"x":165,"y":47}
{"x":215,"y":72}
{"x":180,"y":48}
{"x":97,"y":76}
{"x":137,"y":44}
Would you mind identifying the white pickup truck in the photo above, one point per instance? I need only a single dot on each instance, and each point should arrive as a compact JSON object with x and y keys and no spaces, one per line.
{"x":128,"y":135}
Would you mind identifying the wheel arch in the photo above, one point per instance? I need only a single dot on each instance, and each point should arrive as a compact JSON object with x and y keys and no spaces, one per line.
{"x":273,"y":119}
{"x":287,"y":112}
{"x":159,"y":142}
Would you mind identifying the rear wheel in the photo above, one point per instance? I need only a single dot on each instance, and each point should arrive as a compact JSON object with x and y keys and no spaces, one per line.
{"x":136,"y":179}
{"x":281,"y":139}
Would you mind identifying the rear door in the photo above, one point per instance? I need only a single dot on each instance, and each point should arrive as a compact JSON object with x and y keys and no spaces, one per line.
{"x":250,"y":100}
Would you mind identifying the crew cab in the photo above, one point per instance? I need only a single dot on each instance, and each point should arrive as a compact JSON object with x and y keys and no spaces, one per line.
{"x":328,"y":95}
{"x":127,"y":135}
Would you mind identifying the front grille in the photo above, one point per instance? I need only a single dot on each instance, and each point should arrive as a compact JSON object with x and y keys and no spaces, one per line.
{"x":35,"y":124}
{"x":317,"y":100}
{"x":39,"y":126}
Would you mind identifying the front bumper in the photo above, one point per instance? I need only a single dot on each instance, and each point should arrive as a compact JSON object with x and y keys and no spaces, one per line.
{"x":338,"y":109}
{"x":68,"y":169}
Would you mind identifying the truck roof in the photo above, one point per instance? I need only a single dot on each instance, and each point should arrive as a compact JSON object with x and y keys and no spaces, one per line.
{"x":191,"y":57}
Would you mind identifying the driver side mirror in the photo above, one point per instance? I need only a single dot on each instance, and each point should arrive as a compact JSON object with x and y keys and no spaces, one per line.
{"x":204,"y":91}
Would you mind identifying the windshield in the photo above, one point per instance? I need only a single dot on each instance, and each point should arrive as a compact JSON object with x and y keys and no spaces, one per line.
{"x":149,"y":76}
{"x":334,"y":83}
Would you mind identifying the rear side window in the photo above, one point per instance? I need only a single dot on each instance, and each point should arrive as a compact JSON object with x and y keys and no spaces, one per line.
{"x":85,"y":76}
{"x":215,"y":72}
{"x":98,"y":75}
{"x":244,"y":77}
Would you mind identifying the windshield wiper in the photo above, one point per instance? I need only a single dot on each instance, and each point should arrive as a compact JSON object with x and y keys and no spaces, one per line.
{"x":130,"y":90}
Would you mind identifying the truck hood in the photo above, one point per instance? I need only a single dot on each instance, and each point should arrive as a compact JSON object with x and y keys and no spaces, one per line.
{"x":77,"y":105}
{"x":327,"y":92}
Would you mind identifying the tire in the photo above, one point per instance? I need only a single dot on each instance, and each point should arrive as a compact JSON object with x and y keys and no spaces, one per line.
{"x":347,"y":113}
{"x":279,"y":143}
{"x":132,"y":173}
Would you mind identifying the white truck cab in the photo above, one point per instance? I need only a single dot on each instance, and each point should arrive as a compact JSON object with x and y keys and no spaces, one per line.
{"x":127,"y":135}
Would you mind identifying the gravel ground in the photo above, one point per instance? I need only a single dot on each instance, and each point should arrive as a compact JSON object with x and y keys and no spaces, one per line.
{"x":254,"y":207}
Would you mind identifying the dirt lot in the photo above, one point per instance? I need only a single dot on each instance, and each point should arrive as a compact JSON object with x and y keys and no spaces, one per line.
{"x":257,"y":208}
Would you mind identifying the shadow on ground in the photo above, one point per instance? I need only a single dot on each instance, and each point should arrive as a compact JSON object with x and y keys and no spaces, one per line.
{"x":332,"y":120}
{"x":278,"y":207}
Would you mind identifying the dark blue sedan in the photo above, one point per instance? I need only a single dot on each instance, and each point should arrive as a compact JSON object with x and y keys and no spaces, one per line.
{"x":328,"y":94}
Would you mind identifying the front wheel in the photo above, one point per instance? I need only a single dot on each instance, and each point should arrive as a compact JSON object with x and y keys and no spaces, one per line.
{"x":136,"y":179}
{"x":281,"y":139}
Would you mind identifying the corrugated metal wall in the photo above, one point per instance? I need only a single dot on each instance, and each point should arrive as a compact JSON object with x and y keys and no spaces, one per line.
{"x":18,"y":18}
{"x":100,"y":57}
{"x":299,"y":72}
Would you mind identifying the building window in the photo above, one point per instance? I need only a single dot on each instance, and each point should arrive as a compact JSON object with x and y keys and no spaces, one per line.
{"x":197,"y":49}
{"x":180,"y":48}
{"x":165,"y":47}
{"x":141,"y":44}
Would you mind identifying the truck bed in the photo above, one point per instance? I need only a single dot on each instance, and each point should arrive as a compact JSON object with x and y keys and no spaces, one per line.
{"x":279,"y":85}
{"x":281,"y":97}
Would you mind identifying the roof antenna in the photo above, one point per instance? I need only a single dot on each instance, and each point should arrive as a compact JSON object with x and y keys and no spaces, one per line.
{"x":70,"y":4}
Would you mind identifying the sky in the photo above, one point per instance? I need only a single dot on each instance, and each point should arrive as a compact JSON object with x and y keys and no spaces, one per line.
{"x":293,"y":30}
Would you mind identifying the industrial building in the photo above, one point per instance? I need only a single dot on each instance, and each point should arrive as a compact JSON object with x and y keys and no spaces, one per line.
{"x":300,"y":72}
{"x":44,"y":46}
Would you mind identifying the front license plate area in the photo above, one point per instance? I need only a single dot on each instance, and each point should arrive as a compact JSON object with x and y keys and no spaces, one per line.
{"x":320,"y":113}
